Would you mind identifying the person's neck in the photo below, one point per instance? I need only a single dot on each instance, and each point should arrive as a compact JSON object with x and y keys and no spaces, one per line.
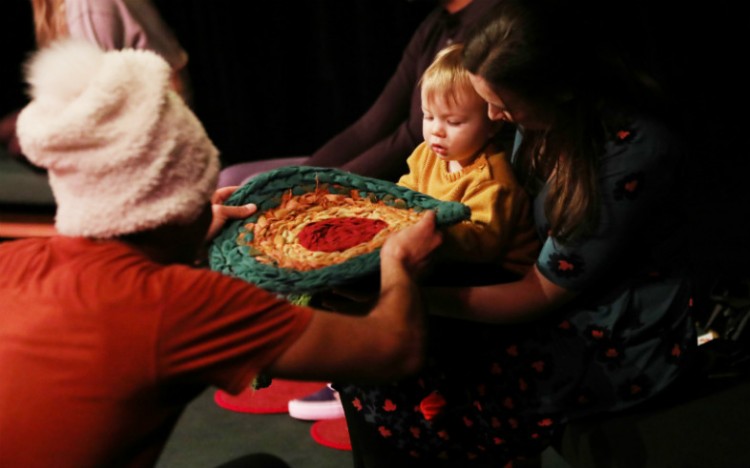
{"x":454,"y":6}
{"x":162,"y":253}
{"x":165,"y":245}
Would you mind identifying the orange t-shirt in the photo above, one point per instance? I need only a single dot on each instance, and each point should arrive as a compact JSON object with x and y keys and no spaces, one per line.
{"x":101,"y":349}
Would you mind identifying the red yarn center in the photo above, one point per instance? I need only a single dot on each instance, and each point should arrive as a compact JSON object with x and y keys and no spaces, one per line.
{"x":339,"y":234}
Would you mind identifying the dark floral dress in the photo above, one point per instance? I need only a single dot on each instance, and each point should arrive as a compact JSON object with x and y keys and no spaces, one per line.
{"x":493,"y":393}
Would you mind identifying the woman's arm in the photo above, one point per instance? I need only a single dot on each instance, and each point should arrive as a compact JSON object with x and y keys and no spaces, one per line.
{"x":519,"y":301}
{"x":637,"y":187}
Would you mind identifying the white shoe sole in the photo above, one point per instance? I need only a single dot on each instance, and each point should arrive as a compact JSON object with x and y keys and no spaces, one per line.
{"x":315,"y":411}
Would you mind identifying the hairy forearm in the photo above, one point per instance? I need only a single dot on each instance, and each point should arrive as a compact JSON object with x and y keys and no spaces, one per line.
{"x":382,"y":346}
{"x":385,"y":344}
{"x":400,"y":312}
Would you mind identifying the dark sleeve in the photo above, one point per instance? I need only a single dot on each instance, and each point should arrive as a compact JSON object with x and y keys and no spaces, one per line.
{"x":378,"y":144}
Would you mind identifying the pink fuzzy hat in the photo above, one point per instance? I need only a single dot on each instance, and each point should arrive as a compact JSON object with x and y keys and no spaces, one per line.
{"x":123,"y":152}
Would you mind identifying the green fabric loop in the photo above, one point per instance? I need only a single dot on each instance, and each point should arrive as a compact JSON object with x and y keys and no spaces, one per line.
{"x":266,"y":191}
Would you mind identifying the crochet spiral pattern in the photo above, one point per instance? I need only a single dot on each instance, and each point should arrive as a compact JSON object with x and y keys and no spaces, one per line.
{"x":254,"y":249}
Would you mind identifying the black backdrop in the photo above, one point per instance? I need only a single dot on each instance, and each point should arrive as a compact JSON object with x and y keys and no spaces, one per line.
{"x":275,"y":78}
{"x":283,"y":77}
{"x":16,"y":41}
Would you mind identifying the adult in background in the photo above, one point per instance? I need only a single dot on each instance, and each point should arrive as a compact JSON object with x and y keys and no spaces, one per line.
{"x":111,"y":25}
{"x":379,"y":142}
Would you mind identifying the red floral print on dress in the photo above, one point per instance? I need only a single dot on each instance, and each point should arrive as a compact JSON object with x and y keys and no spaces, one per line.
{"x":389,"y":406}
{"x":432,"y":405}
{"x":546,"y":422}
{"x":566,"y":266}
{"x":630,"y":186}
{"x":623,"y":135}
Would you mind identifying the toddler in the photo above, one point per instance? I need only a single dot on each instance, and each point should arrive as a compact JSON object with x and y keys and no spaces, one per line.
{"x":459,"y":161}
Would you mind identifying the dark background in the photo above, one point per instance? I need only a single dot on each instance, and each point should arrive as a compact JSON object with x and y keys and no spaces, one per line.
{"x":277,"y":78}
{"x":284,"y":77}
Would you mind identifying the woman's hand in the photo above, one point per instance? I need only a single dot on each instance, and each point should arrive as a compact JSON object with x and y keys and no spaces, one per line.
{"x":223,"y":213}
{"x":523,"y":300}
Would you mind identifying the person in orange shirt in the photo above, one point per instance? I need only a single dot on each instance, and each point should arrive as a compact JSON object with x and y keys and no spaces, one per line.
{"x":108,"y":331}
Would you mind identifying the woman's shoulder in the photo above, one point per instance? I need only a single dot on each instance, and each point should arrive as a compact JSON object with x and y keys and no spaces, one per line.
{"x":636,"y":137}
{"x":642,"y":152}
{"x":625,"y":125}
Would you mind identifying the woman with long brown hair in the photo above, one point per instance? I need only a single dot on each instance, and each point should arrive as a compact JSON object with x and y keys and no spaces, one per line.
{"x":602,"y":321}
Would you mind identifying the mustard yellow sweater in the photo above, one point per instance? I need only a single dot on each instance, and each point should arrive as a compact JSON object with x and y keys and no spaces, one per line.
{"x":501,"y":228}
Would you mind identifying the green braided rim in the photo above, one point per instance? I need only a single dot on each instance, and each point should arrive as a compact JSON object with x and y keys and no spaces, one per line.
{"x":266,"y":190}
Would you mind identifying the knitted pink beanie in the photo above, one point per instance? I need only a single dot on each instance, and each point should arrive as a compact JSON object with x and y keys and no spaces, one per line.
{"x":123,"y":152}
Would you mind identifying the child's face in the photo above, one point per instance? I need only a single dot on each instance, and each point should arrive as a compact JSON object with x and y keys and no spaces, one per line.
{"x":455,"y":129}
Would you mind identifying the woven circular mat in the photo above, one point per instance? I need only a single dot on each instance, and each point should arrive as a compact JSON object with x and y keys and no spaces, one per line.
{"x":269,"y":400}
{"x":331,"y":433}
{"x":232,"y":251}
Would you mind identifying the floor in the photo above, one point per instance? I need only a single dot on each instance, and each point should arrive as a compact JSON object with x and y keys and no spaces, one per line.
{"x":208,"y":435}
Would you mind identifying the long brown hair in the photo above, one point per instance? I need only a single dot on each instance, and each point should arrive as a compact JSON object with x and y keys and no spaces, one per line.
{"x":50,"y":22}
{"x":542,"y":52}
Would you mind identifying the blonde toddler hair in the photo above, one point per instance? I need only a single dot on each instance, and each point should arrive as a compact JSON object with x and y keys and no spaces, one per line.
{"x":446,"y":78}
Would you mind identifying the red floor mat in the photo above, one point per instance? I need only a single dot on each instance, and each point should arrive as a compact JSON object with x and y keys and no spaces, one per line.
{"x":272,"y":399}
{"x":331,"y":433}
